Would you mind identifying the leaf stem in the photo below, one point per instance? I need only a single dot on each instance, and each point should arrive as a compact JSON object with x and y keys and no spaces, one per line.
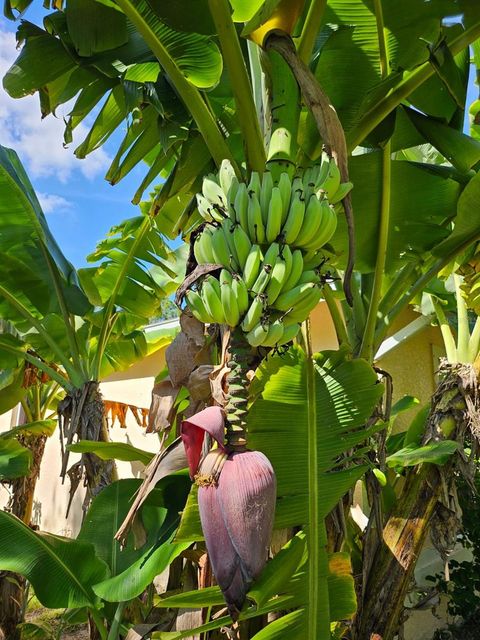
{"x":408,"y":83}
{"x":26,"y":410}
{"x":463,"y":335}
{"x":318,"y":622}
{"x":310,"y":30}
{"x":421,"y":283}
{"x":189,"y":94}
{"x":98,"y":620}
{"x":241,"y":87}
{"x":367,"y":348}
{"x":474,"y":343}
{"x":447,"y":335}
{"x":113,"y":634}
{"x":337,"y":319}
{"x":67,"y":318}
{"x":109,"y":316}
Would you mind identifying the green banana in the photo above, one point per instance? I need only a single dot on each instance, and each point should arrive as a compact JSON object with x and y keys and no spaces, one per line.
{"x":220,"y":248}
{"x":226,"y":176}
{"x":207,"y":210}
{"x":277,"y":280}
{"x":225,"y":277}
{"x":286,"y":254}
{"x":309,"y":181}
{"x":212,"y":299}
{"x":322,"y":170}
{"x":214,"y":193}
{"x":253,"y":314}
{"x":311,"y":222}
{"x":262,"y":280}
{"x":274,"y":215}
{"x":203,"y":247}
{"x":295,"y":270}
{"x":294,"y":220}
{"x":285,"y":186}
{"x":312,"y":259}
{"x":289,"y":333}
{"x":265,"y":194}
{"x":197,"y":250}
{"x":255,"y":184}
{"x":302,"y":310}
{"x":341,"y":192}
{"x":242,"y":245}
{"x":240,"y":292}
{"x":228,"y":232}
{"x":197,"y":306}
{"x":257,"y":335}
{"x":274,"y":335}
{"x":256,"y":230}
{"x":310,"y":275}
{"x":326,"y":230}
{"x":252,"y":265}
{"x":241,"y":205}
{"x":229,"y":304}
{"x":332,"y":181}
{"x":288,"y":299}
{"x":272,"y":254}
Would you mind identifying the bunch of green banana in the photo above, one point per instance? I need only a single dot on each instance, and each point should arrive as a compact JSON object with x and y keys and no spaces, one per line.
{"x":267,"y":237}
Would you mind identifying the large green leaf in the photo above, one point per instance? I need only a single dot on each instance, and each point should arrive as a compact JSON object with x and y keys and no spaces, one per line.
{"x":197,"y":56}
{"x":62,"y":571}
{"x":160,"y":517}
{"x":349,"y":62}
{"x":421,"y":201}
{"x":95,"y":27}
{"x":434,"y":453}
{"x":37,"y":428}
{"x":461,"y":150}
{"x":467,"y":225}
{"x":11,"y":387}
{"x":15,"y":460}
{"x":112,"y":451}
{"x":29,"y":71}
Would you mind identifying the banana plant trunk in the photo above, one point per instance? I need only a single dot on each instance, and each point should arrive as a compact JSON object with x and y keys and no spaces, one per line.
{"x":12,"y":585}
{"x":82,"y":414}
{"x":454,"y":412}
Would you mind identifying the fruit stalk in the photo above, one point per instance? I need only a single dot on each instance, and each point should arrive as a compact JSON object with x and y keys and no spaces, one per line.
{"x":240,"y":363}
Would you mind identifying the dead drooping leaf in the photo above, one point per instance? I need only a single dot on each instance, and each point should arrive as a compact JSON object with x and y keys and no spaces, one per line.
{"x":165,"y":462}
{"x":193,"y":328}
{"x":219,"y":375}
{"x":162,"y":412}
{"x":199,"y":382}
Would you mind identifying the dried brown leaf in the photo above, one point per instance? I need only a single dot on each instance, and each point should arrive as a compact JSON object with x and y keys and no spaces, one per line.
{"x":161,"y":412}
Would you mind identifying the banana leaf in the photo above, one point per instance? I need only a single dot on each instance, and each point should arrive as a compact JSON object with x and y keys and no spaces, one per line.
{"x":62,"y":571}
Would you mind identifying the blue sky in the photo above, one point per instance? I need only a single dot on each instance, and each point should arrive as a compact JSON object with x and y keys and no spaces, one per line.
{"x":80,"y":205}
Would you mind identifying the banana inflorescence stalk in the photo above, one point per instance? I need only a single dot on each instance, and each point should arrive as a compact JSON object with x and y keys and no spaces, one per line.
{"x":267,"y":235}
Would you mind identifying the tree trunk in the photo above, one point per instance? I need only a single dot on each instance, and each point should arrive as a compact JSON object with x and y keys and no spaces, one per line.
{"x":12,"y":585}
{"x":454,"y":413}
{"x":82,"y":415}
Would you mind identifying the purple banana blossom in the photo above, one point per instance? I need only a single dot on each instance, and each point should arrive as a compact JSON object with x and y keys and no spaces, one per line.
{"x":236,"y":499}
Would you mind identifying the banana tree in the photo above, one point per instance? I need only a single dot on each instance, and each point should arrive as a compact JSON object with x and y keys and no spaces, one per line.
{"x":21,"y":452}
{"x":77,"y":327}
{"x":272,"y":108}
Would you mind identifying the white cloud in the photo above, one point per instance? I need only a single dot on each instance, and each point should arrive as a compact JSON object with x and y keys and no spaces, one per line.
{"x":39,"y":142}
{"x":51,"y":203}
